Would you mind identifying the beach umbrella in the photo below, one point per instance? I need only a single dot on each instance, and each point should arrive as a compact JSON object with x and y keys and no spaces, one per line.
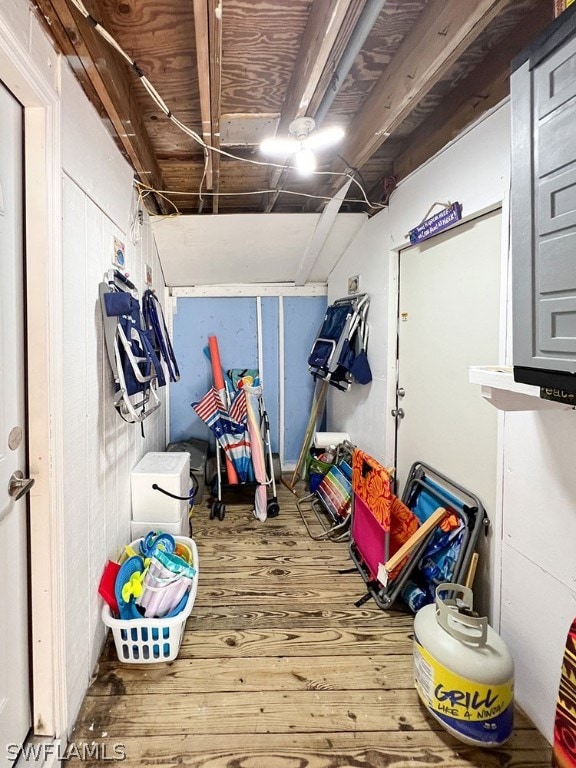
{"x":228,"y":427}
{"x":258,"y":458}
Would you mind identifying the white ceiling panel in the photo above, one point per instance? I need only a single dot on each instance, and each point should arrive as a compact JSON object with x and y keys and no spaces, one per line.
{"x":344,"y":230}
{"x":247,"y":248}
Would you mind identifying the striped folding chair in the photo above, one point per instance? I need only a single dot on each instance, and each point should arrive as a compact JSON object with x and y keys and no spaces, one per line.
{"x":331,"y":504}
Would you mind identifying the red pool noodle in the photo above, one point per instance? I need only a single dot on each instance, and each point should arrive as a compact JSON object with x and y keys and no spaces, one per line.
{"x":219,"y":384}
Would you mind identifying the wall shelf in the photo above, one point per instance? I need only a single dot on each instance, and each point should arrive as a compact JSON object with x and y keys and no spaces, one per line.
{"x":497,"y":386}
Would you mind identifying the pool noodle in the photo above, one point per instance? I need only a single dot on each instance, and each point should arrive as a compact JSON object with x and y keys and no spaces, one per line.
{"x":219,"y":384}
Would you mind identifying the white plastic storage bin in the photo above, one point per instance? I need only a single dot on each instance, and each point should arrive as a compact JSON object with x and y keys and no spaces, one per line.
{"x":151,"y":641}
{"x":168,"y":470}
{"x":181,"y":528}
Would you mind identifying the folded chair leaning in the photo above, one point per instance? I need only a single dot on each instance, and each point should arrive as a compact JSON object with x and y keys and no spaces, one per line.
{"x":384,"y":531}
{"x":332,"y":500}
{"x":449,"y":554}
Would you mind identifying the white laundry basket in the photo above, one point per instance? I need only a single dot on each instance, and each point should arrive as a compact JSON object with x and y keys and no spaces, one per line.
{"x":150,"y":641}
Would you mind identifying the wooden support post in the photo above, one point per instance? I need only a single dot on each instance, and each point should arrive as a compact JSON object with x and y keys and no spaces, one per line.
{"x":317,"y":408}
{"x":471,"y":571}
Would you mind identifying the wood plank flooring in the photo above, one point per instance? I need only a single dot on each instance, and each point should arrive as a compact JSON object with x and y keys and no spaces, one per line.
{"x":279,"y":669}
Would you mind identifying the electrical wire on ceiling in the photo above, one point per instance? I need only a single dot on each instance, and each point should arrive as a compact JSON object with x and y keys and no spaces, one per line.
{"x":160,"y":103}
{"x":146,"y":190}
{"x":136,"y":217}
{"x":165,"y":192}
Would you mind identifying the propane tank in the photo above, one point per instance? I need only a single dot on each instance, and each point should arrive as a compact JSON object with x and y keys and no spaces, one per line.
{"x":463,"y":670}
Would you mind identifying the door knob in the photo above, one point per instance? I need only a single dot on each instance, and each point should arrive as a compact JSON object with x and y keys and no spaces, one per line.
{"x":398,"y":413}
{"x":18,"y":485}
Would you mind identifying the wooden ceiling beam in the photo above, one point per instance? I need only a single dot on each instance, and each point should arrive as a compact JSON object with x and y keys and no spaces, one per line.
{"x":484,"y":87}
{"x":54,"y":28}
{"x":443,"y":32}
{"x":109,"y":78}
{"x":208,"y":35}
{"x":325,"y":27}
{"x":325,"y":22}
{"x":203,"y":64}
{"x":355,"y":9}
{"x":215,"y":37}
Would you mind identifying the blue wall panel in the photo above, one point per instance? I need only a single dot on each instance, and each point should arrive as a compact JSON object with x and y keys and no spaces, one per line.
{"x":302,"y":319}
{"x":270,"y":377}
{"x":233,"y":321}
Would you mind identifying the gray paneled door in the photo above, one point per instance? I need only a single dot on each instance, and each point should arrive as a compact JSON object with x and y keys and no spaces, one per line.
{"x":544,"y":211}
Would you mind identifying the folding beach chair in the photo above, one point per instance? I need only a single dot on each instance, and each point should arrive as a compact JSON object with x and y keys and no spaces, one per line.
{"x":331,"y":501}
{"x":381,"y":523}
{"x":156,"y":324}
{"x":338,"y":354}
{"x":338,"y":357}
{"x":135,"y":365}
{"x":384,"y":532}
{"x":447,"y":555}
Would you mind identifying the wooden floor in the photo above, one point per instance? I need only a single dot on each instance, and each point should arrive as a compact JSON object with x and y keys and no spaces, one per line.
{"x":279,"y":669}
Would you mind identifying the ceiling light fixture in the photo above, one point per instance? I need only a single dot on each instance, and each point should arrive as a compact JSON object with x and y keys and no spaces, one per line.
{"x":302,"y":143}
{"x":305,"y":161}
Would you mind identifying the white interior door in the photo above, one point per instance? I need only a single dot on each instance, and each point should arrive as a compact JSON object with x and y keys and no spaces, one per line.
{"x":449,"y":313}
{"x":14,"y":646}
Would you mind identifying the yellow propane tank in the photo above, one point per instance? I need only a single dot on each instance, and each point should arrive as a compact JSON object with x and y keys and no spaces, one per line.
{"x":463,"y":670}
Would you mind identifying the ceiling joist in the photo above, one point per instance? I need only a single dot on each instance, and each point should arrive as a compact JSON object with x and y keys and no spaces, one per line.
{"x":443,"y":32}
{"x":215,"y":37}
{"x":203,"y":64}
{"x":108,"y":76}
{"x":208,"y":32}
{"x":420,"y":73}
{"x":326,"y":22}
{"x":481,"y":90}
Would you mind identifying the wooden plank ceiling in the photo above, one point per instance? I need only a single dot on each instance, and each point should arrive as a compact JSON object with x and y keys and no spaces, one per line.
{"x":236,"y":71}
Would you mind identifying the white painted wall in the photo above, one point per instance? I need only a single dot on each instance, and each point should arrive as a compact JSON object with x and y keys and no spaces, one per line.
{"x":474,"y":171}
{"x":536,"y":516}
{"x":538,"y":563}
{"x":99,"y":449}
{"x":359,"y":410}
{"x":233,"y":249}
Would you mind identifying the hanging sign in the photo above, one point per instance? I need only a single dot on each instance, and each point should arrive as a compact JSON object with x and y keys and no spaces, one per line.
{"x":436,"y":224}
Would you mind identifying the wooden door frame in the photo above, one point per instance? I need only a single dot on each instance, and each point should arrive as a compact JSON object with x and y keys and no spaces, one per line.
{"x":43,"y":257}
{"x":504,"y":355}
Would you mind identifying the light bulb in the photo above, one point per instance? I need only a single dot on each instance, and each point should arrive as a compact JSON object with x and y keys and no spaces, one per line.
{"x":325,"y":137}
{"x":278,"y":147}
{"x":305,"y":161}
